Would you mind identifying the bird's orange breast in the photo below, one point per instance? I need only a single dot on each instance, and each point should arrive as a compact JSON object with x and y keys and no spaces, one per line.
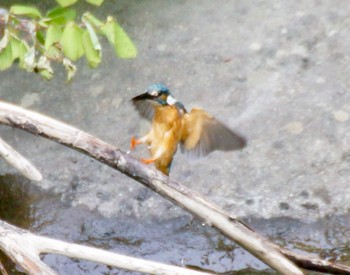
{"x":164,"y":136}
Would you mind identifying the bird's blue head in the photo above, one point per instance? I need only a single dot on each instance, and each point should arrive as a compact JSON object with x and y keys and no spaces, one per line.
{"x":157,"y":93}
{"x":157,"y":88}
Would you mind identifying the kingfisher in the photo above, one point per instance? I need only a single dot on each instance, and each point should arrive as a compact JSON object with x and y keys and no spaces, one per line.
{"x":195,"y":132}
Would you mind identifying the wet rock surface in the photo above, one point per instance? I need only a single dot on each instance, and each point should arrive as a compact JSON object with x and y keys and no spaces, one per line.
{"x":277,"y":72}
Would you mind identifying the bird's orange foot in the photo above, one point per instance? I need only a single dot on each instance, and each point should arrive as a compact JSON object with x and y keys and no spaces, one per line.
{"x":147,"y":161}
{"x":133,"y":143}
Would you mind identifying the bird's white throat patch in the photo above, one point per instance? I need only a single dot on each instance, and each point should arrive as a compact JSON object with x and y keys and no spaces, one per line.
{"x":171,"y":100}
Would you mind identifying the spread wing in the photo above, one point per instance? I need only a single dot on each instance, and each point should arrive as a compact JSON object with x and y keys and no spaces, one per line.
{"x":203,"y":134}
{"x":145,"y":108}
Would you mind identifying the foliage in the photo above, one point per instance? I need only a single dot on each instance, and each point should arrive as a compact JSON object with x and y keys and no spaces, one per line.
{"x":36,"y":40}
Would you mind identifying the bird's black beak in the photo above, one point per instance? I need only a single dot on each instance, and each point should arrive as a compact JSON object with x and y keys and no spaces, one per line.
{"x":142,"y":97}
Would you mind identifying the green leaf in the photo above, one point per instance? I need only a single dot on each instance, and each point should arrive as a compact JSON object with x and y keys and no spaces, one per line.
{"x":43,"y":23}
{"x":92,"y":46}
{"x":108,"y":29}
{"x":92,"y":53}
{"x":70,"y":68}
{"x":60,"y":15}
{"x":44,"y":67}
{"x":25,"y":10}
{"x":6,"y":58}
{"x":66,"y":3}
{"x":95,"y":2}
{"x":124,"y":47}
{"x":23,"y":49}
{"x":72,"y":41}
{"x":54,"y":52}
{"x":40,"y":37}
{"x":15,"y":47}
{"x":53,"y":35}
{"x":92,"y":34}
{"x":46,"y":74}
{"x":29,"y":59}
{"x":96,"y":23}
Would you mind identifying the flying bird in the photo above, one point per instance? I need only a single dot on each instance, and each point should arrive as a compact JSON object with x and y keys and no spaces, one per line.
{"x":197,"y":132}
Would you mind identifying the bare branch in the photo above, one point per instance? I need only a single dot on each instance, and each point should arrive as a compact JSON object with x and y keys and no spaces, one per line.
{"x":24,"y":248}
{"x":229,"y":225}
{"x":19,"y":162}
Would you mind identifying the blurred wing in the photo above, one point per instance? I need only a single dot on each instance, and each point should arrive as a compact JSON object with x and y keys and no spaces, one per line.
{"x":203,"y":134}
{"x":145,"y":108}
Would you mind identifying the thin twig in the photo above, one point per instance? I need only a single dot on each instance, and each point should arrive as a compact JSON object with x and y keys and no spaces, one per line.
{"x":19,"y":162}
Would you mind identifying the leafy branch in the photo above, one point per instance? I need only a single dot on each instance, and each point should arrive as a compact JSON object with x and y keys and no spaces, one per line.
{"x":36,"y":40}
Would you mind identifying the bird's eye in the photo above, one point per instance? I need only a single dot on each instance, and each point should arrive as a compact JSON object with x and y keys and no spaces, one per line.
{"x":154,"y":93}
